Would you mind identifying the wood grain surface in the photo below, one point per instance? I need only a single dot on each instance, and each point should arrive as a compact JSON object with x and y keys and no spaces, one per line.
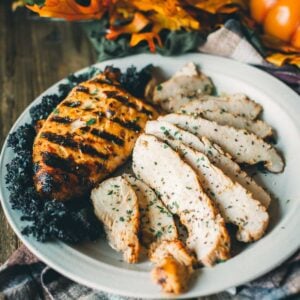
{"x":34,"y":54}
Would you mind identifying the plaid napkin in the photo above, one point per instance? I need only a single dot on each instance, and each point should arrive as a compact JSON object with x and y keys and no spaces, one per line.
{"x":229,"y":41}
{"x":23,"y":276}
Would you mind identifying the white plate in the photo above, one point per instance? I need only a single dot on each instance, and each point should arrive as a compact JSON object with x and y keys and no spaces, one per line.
{"x":97,"y":266}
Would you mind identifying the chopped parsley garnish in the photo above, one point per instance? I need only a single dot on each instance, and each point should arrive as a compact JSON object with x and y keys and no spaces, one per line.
{"x":56,"y":111}
{"x":94,"y":92}
{"x":159,"y":87}
{"x":91,"y":122}
{"x":158,"y":234}
{"x":135,"y":119}
{"x":121,"y":219}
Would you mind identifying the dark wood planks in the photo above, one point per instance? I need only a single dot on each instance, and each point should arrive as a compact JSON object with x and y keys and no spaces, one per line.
{"x":34,"y":54}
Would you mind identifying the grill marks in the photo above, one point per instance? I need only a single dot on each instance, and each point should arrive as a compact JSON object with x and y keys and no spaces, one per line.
{"x":103,"y":81}
{"x":128,"y":125}
{"x":110,"y":94}
{"x":72,"y":103}
{"x":83,"y":89}
{"x":124,"y":100}
{"x":95,"y":142}
{"x":62,"y":120}
{"x":68,"y":165}
{"x":107,"y":136}
{"x":68,"y":141}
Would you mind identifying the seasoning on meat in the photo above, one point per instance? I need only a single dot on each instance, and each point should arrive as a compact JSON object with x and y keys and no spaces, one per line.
{"x":91,"y":133}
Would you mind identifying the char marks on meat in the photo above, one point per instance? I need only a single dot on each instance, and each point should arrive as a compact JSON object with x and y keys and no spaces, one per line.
{"x":94,"y":129}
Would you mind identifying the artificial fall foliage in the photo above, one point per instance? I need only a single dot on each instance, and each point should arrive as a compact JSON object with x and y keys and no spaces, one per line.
{"x":146,"y":20}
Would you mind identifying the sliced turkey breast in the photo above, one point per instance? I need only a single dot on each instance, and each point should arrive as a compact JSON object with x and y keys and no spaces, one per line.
{"x":237,"y":104}
{"x":188,"y":83}
{"x":243,"y":146}
{"x":115,"y":204}
{"x":174,"y":266}
{"x":173,"y":262}
{"x":215,"y":154}
{"x":258,"y":127}
{"x":156,"y":222}
{"x":235,"y":203}
{"x":178,"y":186}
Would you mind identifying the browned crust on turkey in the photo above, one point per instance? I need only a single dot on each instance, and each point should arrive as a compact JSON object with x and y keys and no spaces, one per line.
{"x":173,"y":266}
{"x":86,"y":137}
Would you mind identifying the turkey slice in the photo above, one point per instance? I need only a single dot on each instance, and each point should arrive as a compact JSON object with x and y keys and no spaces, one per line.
{"x":215,"y":154}
{"x":188,"y":83}
{"x":173,"y":262}
{"x":237,"y":104}
{"x":243,"y":146}
{"x":156,"y":222}
{"x":174,"y":266}
{"x":260,"y":128}
{"x":115,"y":204}
{"x":178,"y":186}
{"x":235,"y":203}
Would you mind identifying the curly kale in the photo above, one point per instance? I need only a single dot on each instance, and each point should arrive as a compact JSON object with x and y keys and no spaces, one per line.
{"x":135,"y":81}
{"x":42,"y":110}
{"x":22,"y":138}
{"x":73,"y":80}
{"x":73,"y":221}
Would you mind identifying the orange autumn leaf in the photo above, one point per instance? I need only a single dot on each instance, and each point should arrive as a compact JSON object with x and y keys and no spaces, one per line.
{"x":70,"y":9}
{"x":160,"y":15}
{"x":219,"y":6}
{"x":168,"y":14}
{"x":149,"y":37}
{"x":123,"y":10}
{"x":138,"y":22}
{"x":280,"y":59}
{"x":160,"y":22}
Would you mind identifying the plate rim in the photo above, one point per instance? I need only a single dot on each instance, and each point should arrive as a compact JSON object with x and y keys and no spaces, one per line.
{"x":30,"y":244}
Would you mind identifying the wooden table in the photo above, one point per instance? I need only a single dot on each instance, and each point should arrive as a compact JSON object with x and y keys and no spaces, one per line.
{"x":34,"y":54}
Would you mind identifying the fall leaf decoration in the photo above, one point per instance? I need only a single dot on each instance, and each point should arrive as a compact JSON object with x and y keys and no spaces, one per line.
{"x":70,"y":9}
{"x":156,"y":14}
{"x":168,"y":14}
{"x":152,"y":39}
{"x":280,"y":52}
{"x":280,"y":59}
{"x":138,"y":23}
{"x":146,"y":20}
{"x":143,"y":20}
{"x":219,"y":6}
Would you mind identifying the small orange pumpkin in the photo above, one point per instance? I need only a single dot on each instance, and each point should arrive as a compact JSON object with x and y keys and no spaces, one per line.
{"x":280,"y":18}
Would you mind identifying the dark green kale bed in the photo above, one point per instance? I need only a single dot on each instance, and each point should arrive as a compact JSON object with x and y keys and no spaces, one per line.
{"x":73,"y":221}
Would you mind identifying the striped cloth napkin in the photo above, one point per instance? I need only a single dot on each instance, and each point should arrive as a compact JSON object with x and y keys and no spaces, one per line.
{"x":23,"y":276}
{"x":229,"y":41}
